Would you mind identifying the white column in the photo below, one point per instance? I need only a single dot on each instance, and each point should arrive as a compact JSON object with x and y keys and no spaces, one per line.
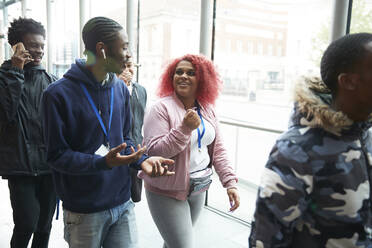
{"x":83,"y":17}
{"x":206,"y":27}
{"x":24,"y":8}
{"x":5,"y":24}
{"x":339,"y":20}
{"x":49,"y":36}
{"x":130,"y":25}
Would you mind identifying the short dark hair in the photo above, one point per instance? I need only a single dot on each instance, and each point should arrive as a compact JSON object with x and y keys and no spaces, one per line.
{"x":22,"y":26}
{"x":341,"y":56}
{"x":99,"y":29}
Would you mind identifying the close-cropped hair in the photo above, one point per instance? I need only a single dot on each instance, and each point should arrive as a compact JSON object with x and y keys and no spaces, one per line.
{"x":209,"y":82}
{"x":22,"y":26}
{"x":99,"y":29}
{"x":342,"y":56}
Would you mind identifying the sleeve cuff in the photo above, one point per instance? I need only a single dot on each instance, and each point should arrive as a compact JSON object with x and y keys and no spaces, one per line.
{"x":101,"y":164}
{"x":231,"y":184}
{"x":137,"y":165}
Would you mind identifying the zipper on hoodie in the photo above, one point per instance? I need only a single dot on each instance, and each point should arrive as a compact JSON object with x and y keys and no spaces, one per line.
{"x":368,"y":226}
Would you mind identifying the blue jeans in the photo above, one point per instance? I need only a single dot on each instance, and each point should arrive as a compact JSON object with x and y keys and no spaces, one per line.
{"x":113,"y":228}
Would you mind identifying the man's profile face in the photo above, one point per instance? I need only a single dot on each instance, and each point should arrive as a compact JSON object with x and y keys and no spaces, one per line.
{"x":118,"y":53}
{"x":34,"y":43}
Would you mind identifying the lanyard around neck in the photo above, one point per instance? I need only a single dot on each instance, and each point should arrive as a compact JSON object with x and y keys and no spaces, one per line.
{"x":200,"y":136}
{"x":107,"y":133}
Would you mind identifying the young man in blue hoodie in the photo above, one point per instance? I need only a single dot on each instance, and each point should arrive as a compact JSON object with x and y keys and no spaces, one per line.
{"x":87,"y":119}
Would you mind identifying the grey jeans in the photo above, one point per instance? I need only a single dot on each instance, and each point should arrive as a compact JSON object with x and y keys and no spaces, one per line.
{"x":174,"y":218}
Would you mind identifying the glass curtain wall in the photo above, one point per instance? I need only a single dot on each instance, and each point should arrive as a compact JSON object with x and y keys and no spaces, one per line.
{"x":261,"y":49}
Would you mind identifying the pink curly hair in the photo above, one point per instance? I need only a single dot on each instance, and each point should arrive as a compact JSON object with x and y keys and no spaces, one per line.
{"x":209,"y":82}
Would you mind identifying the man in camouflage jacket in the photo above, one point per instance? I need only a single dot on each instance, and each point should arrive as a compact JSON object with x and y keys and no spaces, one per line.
{"x":316,"y":187}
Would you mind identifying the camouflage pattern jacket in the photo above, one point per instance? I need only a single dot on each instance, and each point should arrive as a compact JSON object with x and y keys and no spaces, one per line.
{"x":316,"y":186}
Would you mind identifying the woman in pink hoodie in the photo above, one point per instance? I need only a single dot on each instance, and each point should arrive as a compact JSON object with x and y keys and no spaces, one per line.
{"x":183,"y":126}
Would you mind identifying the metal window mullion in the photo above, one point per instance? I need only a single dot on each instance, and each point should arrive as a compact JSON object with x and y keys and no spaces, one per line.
{"x":5,"y":24}
{"x":83,"y":17}
{"x":339,"y":19}
{"x":205,"y":27}
{"x":24,"y":8}
{"x":49,"y":36}
{"x":131,"y":24}
{"x":138,"y":38}
{"x":349,"y":12}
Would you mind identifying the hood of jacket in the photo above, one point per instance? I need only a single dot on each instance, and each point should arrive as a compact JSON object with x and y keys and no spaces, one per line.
{"x":79,"y":73}
{"x":313,"y":109}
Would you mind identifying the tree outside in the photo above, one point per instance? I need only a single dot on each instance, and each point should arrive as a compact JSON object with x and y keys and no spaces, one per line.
{"x":361,"y":21}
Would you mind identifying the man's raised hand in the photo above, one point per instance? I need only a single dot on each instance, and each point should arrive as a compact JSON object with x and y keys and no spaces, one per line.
{"x":114,"y":158}
{"x":21,"y":56}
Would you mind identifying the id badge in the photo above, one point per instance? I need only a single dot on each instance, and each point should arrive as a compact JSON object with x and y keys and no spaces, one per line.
{"x":102,"y":151}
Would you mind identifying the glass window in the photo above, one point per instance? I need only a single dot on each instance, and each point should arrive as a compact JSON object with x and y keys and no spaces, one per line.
{"x":258,"y":85}
{"x":260,"y":49}
{"x":270,"y":50}
{"x":113,"y":9}
{"x":13,"y":12}
{"x":116,"y":10}
{"x":279,"y":51}
{"x":228,"y":45}
{"x":36,"y":9}
{"x":361,"y":16}
{"x":167,"y":31}
{"x":65,"y":35}
{"x":239,"y":46}
{"x":250,"y":47}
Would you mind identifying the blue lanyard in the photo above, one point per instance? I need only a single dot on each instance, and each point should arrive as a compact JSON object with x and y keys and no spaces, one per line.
{"x":107,"y":133}
{"x":200,"y":136}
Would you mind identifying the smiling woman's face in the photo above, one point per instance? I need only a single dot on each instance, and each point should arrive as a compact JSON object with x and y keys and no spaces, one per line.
{"x":184,"y":80}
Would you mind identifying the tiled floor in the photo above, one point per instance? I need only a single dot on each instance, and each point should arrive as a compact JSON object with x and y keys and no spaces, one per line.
{"x":213,"y":230}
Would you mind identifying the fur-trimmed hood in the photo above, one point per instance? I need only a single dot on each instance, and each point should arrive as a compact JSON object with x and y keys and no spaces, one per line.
{"x":313,"y":108}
